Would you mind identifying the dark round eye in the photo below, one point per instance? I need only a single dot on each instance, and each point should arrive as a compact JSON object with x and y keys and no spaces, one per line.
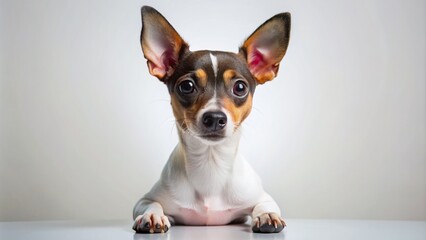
{"x":186,"y":87}
{"x":240,"y":89}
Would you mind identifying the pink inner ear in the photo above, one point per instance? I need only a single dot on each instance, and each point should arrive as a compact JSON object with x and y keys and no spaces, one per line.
{"x":161,"y":63}
{"x":261,"y":64}
{"x":256,"y":59}
{"x":156,"y":70}
{"x":168,"y":60}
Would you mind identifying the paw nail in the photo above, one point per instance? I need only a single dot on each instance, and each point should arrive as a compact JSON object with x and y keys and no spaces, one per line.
{"x":147,"y":225}
{"x":157,"y":226}
{"x":166,"y":228}
{"x":275,"y":225}
{"x":151,"y":230}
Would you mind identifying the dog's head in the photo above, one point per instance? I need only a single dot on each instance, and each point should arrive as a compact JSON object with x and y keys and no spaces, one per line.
{"x":212,"y":91}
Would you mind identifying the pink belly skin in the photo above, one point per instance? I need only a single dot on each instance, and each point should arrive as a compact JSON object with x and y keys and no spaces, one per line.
{"x":188,"y":216}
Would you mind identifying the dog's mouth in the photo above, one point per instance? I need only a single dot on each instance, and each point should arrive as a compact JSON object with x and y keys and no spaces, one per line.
{"x":214,"y":137}
{"x":206,"y":136}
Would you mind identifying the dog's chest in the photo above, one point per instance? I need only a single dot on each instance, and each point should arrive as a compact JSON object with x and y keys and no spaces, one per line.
{"x":209,"y":170}
{"x":208,"y":185}
{"x":209,"y":211}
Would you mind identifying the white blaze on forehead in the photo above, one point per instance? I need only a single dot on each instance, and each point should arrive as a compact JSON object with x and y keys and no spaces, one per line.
{"x":214,"y":64}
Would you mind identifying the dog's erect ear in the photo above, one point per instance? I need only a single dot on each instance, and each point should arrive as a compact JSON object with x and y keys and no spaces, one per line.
{"x":265,"y":48}
{"x":161,"y":44}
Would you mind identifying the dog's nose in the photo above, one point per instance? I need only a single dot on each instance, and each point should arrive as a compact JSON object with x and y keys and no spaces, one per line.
{"x":214,"y":121}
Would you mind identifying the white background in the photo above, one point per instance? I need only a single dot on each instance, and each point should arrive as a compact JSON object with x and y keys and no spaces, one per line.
{"x":85,"y":130}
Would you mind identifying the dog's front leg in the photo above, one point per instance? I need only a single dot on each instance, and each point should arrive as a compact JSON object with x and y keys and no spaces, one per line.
{"x":266,"y":217}
{"x":149,"y":217}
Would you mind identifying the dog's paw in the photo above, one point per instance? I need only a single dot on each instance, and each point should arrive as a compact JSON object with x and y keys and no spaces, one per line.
{"x":268,"y":223}
{"x":151,"y":223}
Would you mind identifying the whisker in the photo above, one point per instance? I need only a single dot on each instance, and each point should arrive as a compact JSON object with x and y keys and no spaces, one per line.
{"x":172,"y":129}
{"x":257,"y":110}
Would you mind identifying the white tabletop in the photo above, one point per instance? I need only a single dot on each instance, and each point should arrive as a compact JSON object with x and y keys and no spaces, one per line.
{"x":297,"y":229}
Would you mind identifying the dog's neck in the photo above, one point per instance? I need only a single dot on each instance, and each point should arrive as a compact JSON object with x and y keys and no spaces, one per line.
{"x":209,"y":164}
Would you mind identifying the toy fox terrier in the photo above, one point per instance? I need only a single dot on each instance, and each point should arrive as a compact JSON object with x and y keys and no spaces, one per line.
{"x":206,"y":181}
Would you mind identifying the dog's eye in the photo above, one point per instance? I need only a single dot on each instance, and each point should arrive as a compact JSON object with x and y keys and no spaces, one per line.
{"x":240,"y":89}
{"x":186,"y":87}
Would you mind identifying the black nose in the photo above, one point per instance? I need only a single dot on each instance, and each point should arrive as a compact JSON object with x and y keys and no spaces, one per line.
{"x":214,"y":121}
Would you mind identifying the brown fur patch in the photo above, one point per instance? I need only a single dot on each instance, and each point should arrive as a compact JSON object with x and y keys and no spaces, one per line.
{"x":202,"y":77}
{"x":228,"y":75}
{"x":264,"y":76}
{"x":240,"y":113}
{"x":186,"y":116}
{"x":179,"y":112}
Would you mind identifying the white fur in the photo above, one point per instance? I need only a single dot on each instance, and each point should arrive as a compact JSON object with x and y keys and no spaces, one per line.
{"x":204,"y":184}
{"x":214,"y":64}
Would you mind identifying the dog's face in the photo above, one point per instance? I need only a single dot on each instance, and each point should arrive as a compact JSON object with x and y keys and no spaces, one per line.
{"x":211,"y":91}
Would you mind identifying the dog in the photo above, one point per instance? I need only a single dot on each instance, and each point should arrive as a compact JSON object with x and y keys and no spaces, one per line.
{"x":206,"y":181}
